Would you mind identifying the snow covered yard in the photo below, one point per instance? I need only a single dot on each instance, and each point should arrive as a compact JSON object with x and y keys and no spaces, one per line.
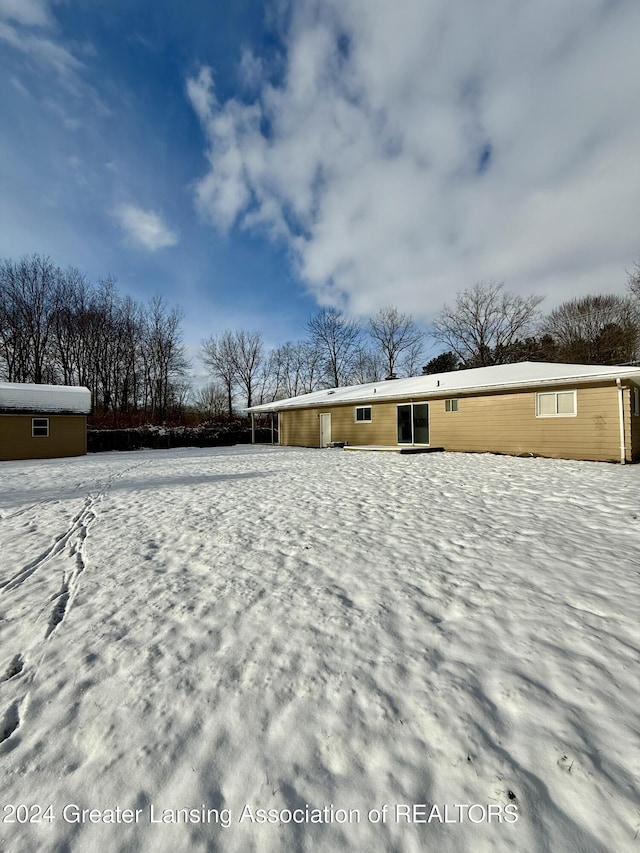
{"x":348,"y":639}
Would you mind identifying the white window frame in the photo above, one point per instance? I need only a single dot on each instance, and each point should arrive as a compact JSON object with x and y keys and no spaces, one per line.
{"x":414,"y":443}
{"x":363,"y":420}
{"x":451,"y":405}
{"x":557,"y":414}
{"x":636,"y":401}
{"x":39,"y":423}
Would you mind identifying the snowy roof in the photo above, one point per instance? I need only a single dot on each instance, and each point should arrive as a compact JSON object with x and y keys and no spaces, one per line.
{"x":503,"y":376}
{"x":63,"y":399}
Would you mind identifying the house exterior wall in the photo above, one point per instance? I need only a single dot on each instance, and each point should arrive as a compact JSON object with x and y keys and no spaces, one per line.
{"x":67,"y":437}
{"x":498,"y":423}
{"x":633,"y":430}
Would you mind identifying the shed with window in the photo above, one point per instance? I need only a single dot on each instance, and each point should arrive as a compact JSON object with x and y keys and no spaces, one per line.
{"x":43,"y":421}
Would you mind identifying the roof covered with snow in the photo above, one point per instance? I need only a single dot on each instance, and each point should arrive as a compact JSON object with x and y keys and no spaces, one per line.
{"x":60,"y":399}
{"x":478,"y":379}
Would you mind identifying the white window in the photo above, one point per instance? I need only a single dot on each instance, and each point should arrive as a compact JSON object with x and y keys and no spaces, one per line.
{"x":413,"y":423}
{"x":363,"y":414}
{"x":40,"y":427}
{"x":556,"y":404}
{"x":451,"y":405}
{"x":636,"y":401}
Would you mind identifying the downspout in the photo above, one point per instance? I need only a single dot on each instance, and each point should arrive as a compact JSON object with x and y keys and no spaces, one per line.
{"x":623,"y":449}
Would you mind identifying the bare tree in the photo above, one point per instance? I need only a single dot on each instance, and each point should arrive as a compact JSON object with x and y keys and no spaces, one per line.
{"x":28,"y":290}
{"x":218,"y":356}
{"x":235,"y":358}
{"x":266,"y":379}
{"x":595,"y":330}
{"x":248,"y":354}
{"x":164,"y":356}
{"x":211,"y":401}
{"x":410,"y":363}
{"x":336,"y":337}
{"x":396,"y":334}
{"x":287,"y":366}
{"x":71,"y":293}
{"x":180,"y":392}
{"x":296,"y":369}
{"x":633,"y":281}
{"x":368,"y":366}
{"x":483,"y":323}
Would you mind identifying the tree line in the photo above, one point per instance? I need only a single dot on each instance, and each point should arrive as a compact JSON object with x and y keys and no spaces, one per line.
{"x":58,"y":327}
{"x":337,"y":350}
{"x":485,"y":325}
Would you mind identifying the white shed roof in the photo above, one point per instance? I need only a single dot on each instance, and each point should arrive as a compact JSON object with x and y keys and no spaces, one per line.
{"x":64,"y":399}
{"x":478,"y":379}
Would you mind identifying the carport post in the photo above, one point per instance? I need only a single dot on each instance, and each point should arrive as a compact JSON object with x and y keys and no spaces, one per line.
{"x":271,"y":427}
{"x":253,"y":428}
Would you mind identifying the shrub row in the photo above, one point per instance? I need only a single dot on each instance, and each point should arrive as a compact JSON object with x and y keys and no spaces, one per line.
{"x":155,"y":438}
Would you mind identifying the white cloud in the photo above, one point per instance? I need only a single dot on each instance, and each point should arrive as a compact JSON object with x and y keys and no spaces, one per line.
{"x":250,"y":69}
{"x":29,"y":12}
{"x":22,"y":23}
{"x":413,"y":148}
{"x":20,"y":87}
{"x":144,"y":228}
{"x":224,"y":192}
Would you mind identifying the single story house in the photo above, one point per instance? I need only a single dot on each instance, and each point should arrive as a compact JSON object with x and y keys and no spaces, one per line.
{"x":564,"y":411}
{"x":43,"y":421}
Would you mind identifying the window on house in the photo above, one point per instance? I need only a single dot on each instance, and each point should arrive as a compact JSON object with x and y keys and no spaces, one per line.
{"x":636,"y":401}
{"x":40,"y":427}
{"x":363,"y":414}
{"x":556,"y":404}
{"x":451,"y":405}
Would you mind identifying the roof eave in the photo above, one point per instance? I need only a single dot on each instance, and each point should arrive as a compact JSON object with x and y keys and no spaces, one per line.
{"x":448,"y":392}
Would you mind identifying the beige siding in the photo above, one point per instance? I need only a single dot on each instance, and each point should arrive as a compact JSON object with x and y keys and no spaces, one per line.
{"x":634,"y":428}
{"x":302,"y":427}
{"x":498,"y":423}
{"x":67,"y":437}
{"x":507,"y":423}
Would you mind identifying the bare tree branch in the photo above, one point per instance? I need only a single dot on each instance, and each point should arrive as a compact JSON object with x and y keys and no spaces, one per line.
{"x":484,"y":322}
{"x":397,"y":334}
{"x":336,"y":337}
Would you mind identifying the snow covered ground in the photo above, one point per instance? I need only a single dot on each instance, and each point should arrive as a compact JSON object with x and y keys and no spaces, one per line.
{"x":347,"y":639}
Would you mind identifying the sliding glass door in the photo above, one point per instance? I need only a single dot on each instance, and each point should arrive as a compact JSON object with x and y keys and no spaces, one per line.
{"x":413,"y":423}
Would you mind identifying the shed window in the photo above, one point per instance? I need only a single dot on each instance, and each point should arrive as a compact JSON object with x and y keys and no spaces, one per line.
{"x":40,"y":427}
{"x":636,"y":401}
{"x":363,"y":414}
{"x":451,"y":405}
{"x":556,"y":404}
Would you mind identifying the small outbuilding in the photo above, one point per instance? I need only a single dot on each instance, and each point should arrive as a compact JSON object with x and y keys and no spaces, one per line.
{"x":43,"y":421}
{"x":564,"y":411}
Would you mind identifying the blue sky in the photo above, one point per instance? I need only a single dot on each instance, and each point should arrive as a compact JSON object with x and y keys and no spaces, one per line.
{"x":254,"y":160}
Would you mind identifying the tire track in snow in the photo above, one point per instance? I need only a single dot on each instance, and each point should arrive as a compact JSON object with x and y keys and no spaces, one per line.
{"x":74,"y":541}
{"x":10,"y":721}
{"x":71,"y":579}
{"x":78,"y":523}
{"x":17,"y":513}
{"x":58,"y":545}
{"x":15,"y":668}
